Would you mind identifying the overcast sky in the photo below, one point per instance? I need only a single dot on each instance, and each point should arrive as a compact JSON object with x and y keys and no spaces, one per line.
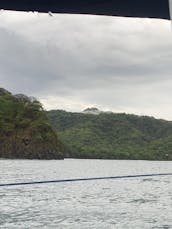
{"x":73,"y":62}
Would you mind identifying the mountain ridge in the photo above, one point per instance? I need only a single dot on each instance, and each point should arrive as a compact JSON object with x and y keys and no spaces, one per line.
{"x":113,"y":135}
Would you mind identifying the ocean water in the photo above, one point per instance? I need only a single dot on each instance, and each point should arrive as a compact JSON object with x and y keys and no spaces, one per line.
{"x":130,"y":203}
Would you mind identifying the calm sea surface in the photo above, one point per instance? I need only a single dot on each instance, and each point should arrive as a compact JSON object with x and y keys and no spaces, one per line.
{"x":130,"y":203}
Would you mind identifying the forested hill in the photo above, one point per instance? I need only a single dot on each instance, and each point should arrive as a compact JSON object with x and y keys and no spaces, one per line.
{"x":113,"y":136}
{"x":25,"y":131}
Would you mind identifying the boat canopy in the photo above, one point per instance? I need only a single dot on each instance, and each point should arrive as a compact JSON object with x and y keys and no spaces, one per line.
{"x":123,"y":8}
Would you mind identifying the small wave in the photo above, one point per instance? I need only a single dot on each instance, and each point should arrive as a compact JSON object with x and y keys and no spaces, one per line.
{"x":142,"y":201}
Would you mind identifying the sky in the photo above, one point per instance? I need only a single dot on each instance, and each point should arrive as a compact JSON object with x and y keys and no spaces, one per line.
{"x":72,"y":62}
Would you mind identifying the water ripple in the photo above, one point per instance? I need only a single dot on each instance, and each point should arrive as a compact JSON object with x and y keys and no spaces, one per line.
{"x":121,"y":204}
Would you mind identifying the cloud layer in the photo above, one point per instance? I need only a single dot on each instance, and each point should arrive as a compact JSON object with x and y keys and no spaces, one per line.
{"x":73,"y":61}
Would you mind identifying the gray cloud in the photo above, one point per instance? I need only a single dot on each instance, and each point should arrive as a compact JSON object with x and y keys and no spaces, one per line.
{"x":74,"y":61}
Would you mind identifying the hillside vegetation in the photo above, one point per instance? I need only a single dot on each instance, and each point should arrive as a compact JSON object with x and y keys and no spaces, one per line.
{"x":113,"y":136}
{"x":25,"y":131}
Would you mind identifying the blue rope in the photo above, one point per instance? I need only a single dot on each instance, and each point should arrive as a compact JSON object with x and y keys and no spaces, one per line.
{"x":84,"y":179}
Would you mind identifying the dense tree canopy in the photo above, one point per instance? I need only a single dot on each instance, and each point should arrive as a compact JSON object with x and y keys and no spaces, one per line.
{"x":113,"y":136}
{"x":25,"y":131}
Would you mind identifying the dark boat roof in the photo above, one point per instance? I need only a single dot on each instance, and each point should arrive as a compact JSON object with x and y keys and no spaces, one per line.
{"x":129,"y":8}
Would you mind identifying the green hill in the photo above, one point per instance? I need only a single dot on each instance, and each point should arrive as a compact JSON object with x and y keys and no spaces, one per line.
{"x":113,"y":136}
{"x":25,"y":131}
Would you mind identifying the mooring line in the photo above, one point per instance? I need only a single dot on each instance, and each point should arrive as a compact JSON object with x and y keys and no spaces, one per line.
{"x":84,"y":179}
